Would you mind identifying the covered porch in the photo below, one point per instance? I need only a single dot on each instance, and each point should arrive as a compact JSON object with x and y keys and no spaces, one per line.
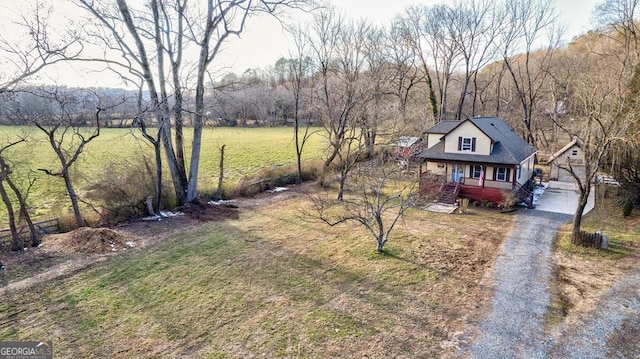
{"x":478,"y":182}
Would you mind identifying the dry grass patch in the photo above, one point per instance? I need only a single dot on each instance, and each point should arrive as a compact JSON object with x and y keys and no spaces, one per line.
{"x":582,"y":275}
{"x":272,"y":285}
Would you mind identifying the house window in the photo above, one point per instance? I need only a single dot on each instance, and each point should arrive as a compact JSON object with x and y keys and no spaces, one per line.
{"x":467,"y":144}
{"x":502,"y":174}
{"x":574,"y":153}
{"x":476,"y":171}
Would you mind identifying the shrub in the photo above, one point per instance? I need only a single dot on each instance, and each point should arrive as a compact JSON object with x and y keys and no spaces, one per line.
{"x":122,"y":190}
{"x":270,"y":178}
{"x":510,"y":200}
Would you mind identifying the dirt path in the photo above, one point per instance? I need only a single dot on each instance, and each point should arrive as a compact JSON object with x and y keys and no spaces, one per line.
{"x":514,"y":327}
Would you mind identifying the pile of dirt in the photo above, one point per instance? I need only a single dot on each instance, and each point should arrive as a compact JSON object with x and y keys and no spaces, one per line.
{"x":205,"y":212}
{"x":90,"y":240}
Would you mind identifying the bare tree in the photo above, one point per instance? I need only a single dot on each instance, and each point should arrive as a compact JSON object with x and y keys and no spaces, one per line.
{"x":620,"y":26}
{"x":417,"y":30}
{"x":370,"y":204}
{"x":342,"y":93}
{"x":619,"y":18}
{"x":5,"y":177}
{"x":146,"y":36}
{"x":155,"y":141}
{"x":407,"y":74}
{"x":475,"y":27}
{"x":68,"y":124}
{"x":525,"y":22}
{"x":599,"y":104}
{"x":25,"y":54}
{"x":299,"y":67}
{"x":378,"y":79}
{"x":16,"y":242}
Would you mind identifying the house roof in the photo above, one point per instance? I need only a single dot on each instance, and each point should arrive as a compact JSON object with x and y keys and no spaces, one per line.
{"x":406,"y":141}
{"x":564,"y":149}
{"x":443,"y":127}
{"x":508,"y":147}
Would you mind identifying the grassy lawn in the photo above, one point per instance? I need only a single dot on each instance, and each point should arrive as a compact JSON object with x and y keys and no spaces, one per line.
{"x":271,"y":285}
{"x":624,"y":233}
{"x":247,"y":151}
{"x":582,"y":274}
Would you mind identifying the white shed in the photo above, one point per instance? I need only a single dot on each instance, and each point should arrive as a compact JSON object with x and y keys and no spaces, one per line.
{"x":572,"y":154}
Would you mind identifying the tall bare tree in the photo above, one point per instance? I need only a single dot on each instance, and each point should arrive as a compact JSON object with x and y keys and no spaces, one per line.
{"x":526,"y":61}
{"x":427,"y":44}
{"x":407,"y":74}
{"x":376,"y":78}
{"x":341,"y":95}
{"x":475,"y":26}
{"x":299,"y":78}
{"x":67,"y":139}
{"x":600,"y":111}
{"x":142,"y":37}
{"x":619,"y":21}
{"x":70,"y":120}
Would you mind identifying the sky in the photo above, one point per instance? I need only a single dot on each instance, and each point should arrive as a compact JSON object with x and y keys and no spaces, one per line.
{"x":264,"y":41}
{"x":268,"y":39}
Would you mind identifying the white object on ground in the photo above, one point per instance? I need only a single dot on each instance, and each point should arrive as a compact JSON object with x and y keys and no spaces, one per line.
{"x":278,"y":189}
{"x":222,"y":201}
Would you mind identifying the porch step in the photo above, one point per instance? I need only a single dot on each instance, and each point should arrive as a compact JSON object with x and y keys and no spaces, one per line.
{"x":449,"y":193}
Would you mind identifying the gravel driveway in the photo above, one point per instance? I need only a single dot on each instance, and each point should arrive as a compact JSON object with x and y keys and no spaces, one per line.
{"x":514,"y":328}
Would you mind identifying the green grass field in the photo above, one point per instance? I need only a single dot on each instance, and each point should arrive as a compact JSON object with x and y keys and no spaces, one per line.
{"x":247,"y":151}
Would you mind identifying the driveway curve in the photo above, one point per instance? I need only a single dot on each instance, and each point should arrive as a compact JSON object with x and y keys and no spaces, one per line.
{"x":514,"y":328}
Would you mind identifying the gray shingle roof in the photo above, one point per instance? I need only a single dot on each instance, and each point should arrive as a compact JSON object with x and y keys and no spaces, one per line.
{"x":508,"y":147}
{"x":443,"y":127}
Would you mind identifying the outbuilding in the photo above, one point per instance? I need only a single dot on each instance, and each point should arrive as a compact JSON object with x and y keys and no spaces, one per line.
{"x":569,"y":156}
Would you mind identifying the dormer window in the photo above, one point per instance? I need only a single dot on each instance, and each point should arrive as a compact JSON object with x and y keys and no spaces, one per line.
{"x":467,"y":144}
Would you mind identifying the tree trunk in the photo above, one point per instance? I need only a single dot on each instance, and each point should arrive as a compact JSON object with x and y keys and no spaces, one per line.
{"x":158,"y":154}
{"x":74,"y":199}
{"x":577,"y":217}
{"x":327,"y":163}
{"x":177,"y":177}
{"x":16,"y":243}
{"x":381,"y":243}
{"x":192,"y":187}
{"x":433,"y":102}
{"x":24,"y":212}
{"x":370,"y":142}
{"x":203,"y":61}
{"x":296,"y":127}
{"x":179,"y":121}
{"x":221,"y":177}
{"x":343,"y":180}
{"x":463,"y":96}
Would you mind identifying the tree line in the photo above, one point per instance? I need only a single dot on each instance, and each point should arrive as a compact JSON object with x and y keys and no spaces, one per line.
{"x":363,"y":83}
